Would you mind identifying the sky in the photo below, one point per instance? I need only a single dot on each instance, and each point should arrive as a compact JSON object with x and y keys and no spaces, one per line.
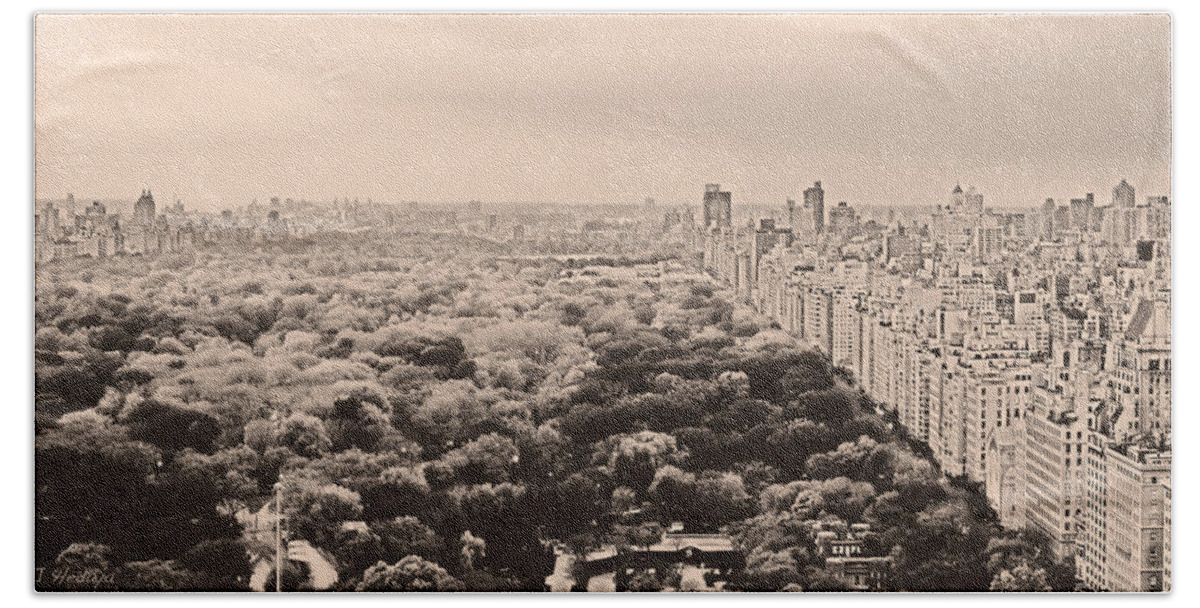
{"x":218,"y":110}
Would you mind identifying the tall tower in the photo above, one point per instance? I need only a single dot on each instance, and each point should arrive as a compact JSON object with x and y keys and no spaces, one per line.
{"x":143,"y":209}
{"x":718,"y":207}
{"x":814,"y":198}
{"x":974,"y":201}
{"x":1048,"y":220}
{"x":1123,"y":195}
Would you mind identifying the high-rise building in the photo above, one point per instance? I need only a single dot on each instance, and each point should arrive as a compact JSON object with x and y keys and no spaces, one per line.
{"x":1123,"y":195}
{"x":814,"y":200}
{"x":842,"y":219}
{"x":1053,"y":468}
{"x":974,"y":202}
{"x":718,"y":207}
{"x":1048,"y":220}
{"x":143,"y":209}
{"x":1081,"y":213}
{"x":1123,"y":546}
{"x":1139,"y":368}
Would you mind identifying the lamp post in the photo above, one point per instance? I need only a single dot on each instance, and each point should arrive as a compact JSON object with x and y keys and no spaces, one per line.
{"x":278,"y":536}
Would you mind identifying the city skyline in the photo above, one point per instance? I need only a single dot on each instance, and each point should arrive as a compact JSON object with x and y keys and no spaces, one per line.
{"x":603,"y":303}
{"x":455,"y":107}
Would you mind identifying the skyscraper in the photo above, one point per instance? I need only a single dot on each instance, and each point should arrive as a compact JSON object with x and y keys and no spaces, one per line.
{"x":718,"y":207}
{"x":814,"y":199}
{"x":1081,"y":213}
{"x":1048,"y":220}
{"x":143,"y":209}
{"x":1123,"y":195}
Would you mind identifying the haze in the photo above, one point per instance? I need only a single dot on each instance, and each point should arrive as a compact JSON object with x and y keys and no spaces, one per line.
{"x":222,"y":109}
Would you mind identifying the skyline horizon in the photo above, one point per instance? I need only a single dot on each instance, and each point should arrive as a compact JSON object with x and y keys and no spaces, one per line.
{"x":602,"y":107}
{"x":830,"y":202}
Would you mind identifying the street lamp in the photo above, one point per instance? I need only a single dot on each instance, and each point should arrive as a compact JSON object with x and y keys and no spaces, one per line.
{"x":279,"y":535}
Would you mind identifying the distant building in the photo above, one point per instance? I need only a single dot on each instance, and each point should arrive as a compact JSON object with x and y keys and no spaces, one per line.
{"x":143,"y":209}
{"x":1123,"y":196}
{"x":713,"y":554}
{"x":1081,"y":213}
{"x":814,"y":201}
{"x":843,"y":548}
{"x":718,"y":207}
{"x":842,"y":219}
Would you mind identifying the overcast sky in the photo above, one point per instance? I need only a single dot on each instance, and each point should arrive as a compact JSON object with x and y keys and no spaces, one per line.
{"x":221,"y":109}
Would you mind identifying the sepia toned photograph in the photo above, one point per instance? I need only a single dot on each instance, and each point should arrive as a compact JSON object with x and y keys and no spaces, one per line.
{"x":598,"y":302}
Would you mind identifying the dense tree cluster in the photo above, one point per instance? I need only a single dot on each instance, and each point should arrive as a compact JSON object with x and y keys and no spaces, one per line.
{"x":436,"y":429}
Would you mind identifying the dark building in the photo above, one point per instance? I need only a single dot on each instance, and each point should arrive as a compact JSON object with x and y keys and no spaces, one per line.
{"x":718,"y":207}
{"x":1124,"y":196}
{"x":1081,"y":212}
{"x":143,"y":209}
{"x":814,"y":199}
{"x":842,"y":218}
{"x":714,"y":554}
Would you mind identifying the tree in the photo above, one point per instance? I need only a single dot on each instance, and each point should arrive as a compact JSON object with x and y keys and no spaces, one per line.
{"x":76,"y":384}
{"x":356,"y":548}
{"x":172,"y":428}
{"x":158,"y":575}
{"x":316,"y":511}
{"x":642,"y":535}
{"x":502,"y":514}
{"x":485,"y":459}
{"x":220,"y":564}
{"x":91,"y":483}
{"x":808,"y":371}
{"x":768,"y":570}
{"x":294,"y":577}
{"x":305,"y":435}
{"x":1021,"y":578}
{"x":944,"y":550}
{"x":644,"y":582}
{"x":360,"y":419}
{"x":396,"y":491}
{"x":403,"y":536}
{"x":831,"y":406}
{"x":409,"y":574}
{"x":861,"y":460}
{"x":635,"y":458}
{"x":839,"y":497}
{"x":673,"y":493}
{"x":473,"y":548}
{"x":787,"y":446}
